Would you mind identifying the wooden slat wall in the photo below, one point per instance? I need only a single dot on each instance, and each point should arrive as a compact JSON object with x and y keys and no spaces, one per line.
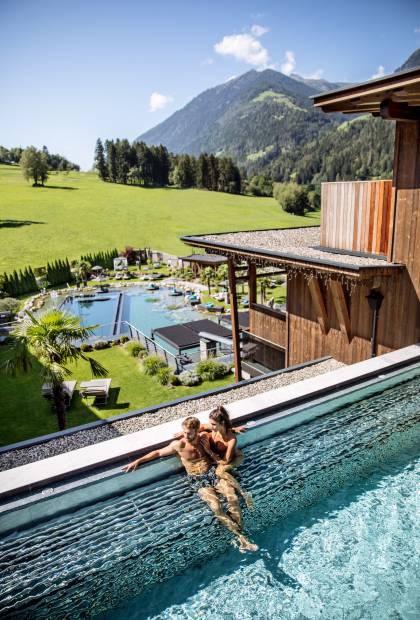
{"x":398,"y":325}
{"x":355,"y":216}
{"x":406,"y":247}
{"x":268,"y":327}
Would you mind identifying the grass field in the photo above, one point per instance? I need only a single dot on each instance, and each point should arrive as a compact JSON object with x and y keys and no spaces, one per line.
{"x":77,"y":213}
{"x":24,"y":413}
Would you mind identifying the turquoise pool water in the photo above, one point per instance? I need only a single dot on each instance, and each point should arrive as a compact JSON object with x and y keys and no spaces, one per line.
{"x":353,"y":555}
{"x":335,"y":516}
{"x":145,"y":310}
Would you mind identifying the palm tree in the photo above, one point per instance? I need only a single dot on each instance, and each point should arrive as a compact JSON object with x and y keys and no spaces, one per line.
{"x":52,"y":339}
{"x":264,"y":282}
{"x":207,"y":275}
{"x":82,"y":270}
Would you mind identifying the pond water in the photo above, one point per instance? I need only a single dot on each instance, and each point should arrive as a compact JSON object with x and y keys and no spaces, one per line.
{"x":144,"y":309}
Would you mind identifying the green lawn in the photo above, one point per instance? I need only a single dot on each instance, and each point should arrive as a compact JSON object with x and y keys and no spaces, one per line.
{"x":25,"y":414}
{"x":77,"y":213}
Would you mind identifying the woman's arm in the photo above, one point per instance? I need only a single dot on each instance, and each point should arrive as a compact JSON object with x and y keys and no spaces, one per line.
{"x":230,"y":452}
{"x":204,"y":441}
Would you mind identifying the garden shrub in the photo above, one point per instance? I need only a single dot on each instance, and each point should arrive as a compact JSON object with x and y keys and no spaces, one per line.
{"x":152,"y":364}
{"x":163,"y":375}
{"x":101,"y":344}
{"x":9,"y":304}
{"x":189,"y":378}
{"x":174,"y":380}
{"x":209,"y":370}
{"x":124,"y":339}
{"x":134,"y":348}
{"x":85,"y":346}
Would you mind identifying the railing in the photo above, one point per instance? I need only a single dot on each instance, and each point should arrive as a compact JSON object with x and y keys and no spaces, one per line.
{"x":356,"y":216}
{"x":105,"y":331}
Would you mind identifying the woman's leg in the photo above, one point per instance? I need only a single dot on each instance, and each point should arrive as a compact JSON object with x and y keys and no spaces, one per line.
{"x":223,"y":472}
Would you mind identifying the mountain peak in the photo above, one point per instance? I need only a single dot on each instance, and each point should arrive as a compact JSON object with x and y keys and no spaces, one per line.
{"x":412,"y":61}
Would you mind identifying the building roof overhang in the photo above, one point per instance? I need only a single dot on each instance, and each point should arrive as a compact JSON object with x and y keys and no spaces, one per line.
{"x":307,"y":257}
{"x":204,"y":259}
{"x":395,"y":96}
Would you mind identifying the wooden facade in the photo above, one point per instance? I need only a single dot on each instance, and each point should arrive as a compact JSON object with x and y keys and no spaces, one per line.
{"x":356,"y":216}
{"x":398,"y":322}
{"x":406,"y":239}
{"x":271,"y":325}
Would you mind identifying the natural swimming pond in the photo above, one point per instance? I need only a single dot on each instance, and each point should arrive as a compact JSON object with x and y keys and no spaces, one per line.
{"x":335,"y":516}
{"x":144,"y":309}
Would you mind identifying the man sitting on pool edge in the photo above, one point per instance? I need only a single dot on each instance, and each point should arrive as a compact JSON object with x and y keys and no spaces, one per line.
{"x":194,"y":452}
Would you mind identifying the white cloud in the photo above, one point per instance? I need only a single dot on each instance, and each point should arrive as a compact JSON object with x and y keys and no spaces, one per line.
{"x":316,"y":75}
{"x":158,"y":101}
{"x":379,"y":72}
{"x":208,"y":61}
{"x":416,"y":30}
{"x":232,"y":77}
{"x":258,"y":31}
{"x":289,"y":63}
{"x":245,"y":48}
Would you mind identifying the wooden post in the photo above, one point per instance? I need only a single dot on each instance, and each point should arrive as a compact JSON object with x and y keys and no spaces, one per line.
{"x":340,"y":306}
{"x":234,"y":319}
{"x":252,"y":284}
{"x":319,"y":304}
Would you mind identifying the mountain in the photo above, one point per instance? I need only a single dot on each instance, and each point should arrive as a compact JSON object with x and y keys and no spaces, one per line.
{"x":265,"y":120}
{"x":412,"y":61}
{"x":253,"y":118}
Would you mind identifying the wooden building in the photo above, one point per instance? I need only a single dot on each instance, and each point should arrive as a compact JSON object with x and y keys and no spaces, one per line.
{"x":353,"y":284}
{"x":198,"y":262}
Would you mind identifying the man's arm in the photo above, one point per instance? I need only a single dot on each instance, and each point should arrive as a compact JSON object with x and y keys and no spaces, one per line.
{"x":151,"y":456}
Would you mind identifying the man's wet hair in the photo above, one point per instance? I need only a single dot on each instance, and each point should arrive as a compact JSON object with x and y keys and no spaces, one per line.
{"x":191,"y":422}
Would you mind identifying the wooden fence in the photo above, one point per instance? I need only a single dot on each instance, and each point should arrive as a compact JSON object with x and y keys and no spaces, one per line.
{"x":356,"y":216}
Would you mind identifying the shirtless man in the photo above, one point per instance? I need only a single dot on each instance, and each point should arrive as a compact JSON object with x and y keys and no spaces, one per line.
{"x":194,"y":452}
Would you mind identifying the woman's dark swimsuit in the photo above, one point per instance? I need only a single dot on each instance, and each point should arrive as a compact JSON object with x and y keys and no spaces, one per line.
{"x":202,"y":481}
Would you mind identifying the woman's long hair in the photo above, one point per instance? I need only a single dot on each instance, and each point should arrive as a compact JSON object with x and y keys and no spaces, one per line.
{"x":221,"y":416}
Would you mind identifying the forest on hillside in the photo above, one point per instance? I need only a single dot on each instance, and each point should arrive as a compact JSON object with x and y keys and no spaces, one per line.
{"x":138,"y":164}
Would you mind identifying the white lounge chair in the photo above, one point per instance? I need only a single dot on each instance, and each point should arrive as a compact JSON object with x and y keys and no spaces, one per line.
{"x":68,"y":386}
{"x":97,"y":388}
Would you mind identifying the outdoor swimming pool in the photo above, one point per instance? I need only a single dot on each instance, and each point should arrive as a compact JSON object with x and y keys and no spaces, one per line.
{"x":146,"y":310}
{"x":335,"y":517}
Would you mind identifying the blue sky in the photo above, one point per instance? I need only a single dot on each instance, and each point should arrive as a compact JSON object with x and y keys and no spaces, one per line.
{"x":70,"y":72}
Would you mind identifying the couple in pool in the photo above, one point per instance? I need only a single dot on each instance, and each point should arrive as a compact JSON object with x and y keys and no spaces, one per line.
{"x":209,"y":452}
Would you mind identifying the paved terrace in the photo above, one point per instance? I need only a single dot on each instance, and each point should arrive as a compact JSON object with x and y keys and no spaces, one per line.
{"x":298,"y":244}
{"x":83,"y":438}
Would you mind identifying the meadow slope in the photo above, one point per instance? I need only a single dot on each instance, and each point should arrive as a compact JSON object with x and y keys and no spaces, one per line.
{"x":77,"y":213}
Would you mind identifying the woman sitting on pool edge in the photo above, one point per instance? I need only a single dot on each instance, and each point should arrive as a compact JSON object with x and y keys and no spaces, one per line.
{"x":223,"y":443}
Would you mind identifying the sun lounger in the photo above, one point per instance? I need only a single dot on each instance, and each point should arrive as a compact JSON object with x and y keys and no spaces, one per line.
{"x":97,"y":388}
{"x":68,"y":386}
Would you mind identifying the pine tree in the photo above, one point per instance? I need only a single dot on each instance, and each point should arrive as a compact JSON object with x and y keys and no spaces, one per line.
{"x":100,"y":163}
{"x":111,"y":159}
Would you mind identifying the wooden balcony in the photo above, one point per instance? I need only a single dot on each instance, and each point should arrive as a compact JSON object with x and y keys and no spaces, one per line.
{"x":356,"y":216}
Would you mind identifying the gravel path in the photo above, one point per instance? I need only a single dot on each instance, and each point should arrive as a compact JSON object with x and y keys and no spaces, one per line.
{"x":14,"y":458}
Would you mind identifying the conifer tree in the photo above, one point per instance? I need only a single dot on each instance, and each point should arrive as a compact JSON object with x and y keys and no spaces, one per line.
{"x":100,"y":163}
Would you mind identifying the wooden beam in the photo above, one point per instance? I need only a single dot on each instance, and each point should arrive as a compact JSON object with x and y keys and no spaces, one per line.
{"x":340,"y":306}
{"x":392,"y":110}
{"x":252,"y":283}
{"x":318,"y":301}
{"x":234,"y":319}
